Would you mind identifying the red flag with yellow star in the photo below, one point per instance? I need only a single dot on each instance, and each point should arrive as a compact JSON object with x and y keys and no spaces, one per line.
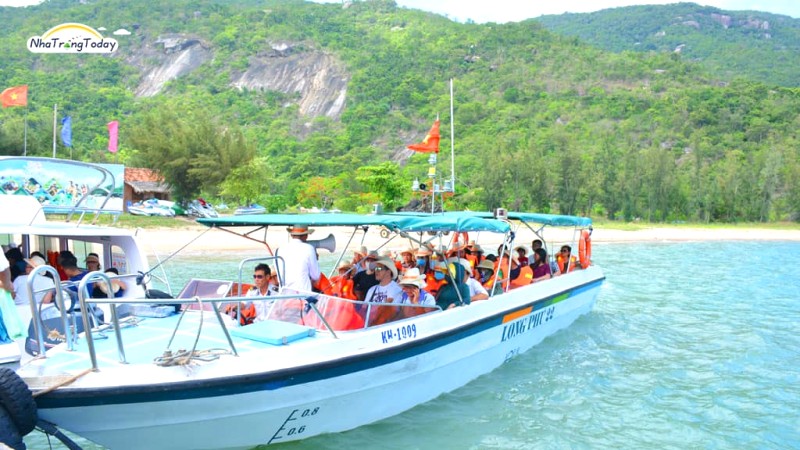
{"x":431,"y":142}
{"x":15,"y":96}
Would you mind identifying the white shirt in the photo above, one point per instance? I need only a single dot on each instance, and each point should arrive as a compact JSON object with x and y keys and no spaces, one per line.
{"x":3,"y":262}
{"x":475,"y":287}
{"x":262,"y":306}
{"x":301,"y":265}
{"x":427,"y":300}
{"x":381,"y":294}
{"x":21,"y":288}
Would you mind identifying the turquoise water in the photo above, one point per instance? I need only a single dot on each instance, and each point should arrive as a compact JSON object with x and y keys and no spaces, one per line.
{"x":691,"y":345}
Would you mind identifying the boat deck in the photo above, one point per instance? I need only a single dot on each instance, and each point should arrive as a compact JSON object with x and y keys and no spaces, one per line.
{"x":146,"y":339}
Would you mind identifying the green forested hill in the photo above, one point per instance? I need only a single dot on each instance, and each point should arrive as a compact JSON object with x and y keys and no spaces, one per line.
{"x":542,"y":122}
{"x":730,"y":44}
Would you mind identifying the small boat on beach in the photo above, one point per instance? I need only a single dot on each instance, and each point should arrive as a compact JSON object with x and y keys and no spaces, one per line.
{"x":253,"y":208}
{"x":223,"y":385}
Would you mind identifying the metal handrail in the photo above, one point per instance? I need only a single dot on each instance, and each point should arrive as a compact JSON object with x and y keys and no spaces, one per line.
{"x":38,"y":326}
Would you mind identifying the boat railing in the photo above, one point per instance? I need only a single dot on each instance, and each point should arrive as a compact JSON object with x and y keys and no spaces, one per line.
{"x":38,"y":326}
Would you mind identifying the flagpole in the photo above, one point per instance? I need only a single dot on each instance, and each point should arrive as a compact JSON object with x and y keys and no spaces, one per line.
{"x":55,"y":112}
{"x":25,"y":133}
{"x":452,"y":143}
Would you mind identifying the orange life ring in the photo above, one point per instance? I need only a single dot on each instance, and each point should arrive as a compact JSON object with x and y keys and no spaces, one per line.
{"x":585,"y":249}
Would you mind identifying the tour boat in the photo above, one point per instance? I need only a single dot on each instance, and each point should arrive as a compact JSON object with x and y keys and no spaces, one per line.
{"x":222,"y":385}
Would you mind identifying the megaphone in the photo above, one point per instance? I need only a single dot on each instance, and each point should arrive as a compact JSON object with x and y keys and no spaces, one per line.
{"x":328,"y":243}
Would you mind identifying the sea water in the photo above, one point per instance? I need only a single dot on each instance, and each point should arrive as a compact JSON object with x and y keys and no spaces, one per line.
{"x":690,"y":345}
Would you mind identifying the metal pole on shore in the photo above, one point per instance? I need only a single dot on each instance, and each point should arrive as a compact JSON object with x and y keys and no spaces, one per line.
{"x":452,"y":145}
{"x":55,"y":113}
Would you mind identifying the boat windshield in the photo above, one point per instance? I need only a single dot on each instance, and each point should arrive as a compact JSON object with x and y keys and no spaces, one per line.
{"x":340,"y":314}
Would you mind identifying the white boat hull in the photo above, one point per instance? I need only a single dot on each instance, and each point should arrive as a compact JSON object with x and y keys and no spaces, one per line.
{"x":360,"y":386}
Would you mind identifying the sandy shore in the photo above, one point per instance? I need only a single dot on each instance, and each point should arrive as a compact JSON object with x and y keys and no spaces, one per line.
{"x":168,"y":240}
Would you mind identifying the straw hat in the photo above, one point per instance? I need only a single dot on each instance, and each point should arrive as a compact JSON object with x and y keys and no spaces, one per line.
{"x":35,"y":261}
{"x":409,"y":250}
{"x":520,"y":247}
{"x":345,"y":266}
{"x":299,"y":230}
{"x":389,"y":264}
{"x":423,"y":251}
{"x":486,"y":264}
{"x":412,"y":277}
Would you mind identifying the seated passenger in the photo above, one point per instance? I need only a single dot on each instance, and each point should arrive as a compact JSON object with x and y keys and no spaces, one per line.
{"x":342,"y":284}
{"x":92,"y":262}
{"x":408,"y":260}
{"x":540,"y":265}
{"x":262,"y":279}
{"x":41,"y":284}
{"x":365,"y":279}
{"x":522,"y":255}
{"x":413,"y":288}
{"x":386,"y":290}
{"x":454,"y":292}
{"x":476,"y":291}
{"x":117,"y":286}
{"x":565,"y":260}
{"x":486,"y":277}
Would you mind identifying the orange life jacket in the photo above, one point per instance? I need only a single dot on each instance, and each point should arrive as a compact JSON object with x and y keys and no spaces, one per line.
{"x":341,"y":287}
{"x":562,"y":263}
{"x":323,"y":284}
{"x":525,"y":277}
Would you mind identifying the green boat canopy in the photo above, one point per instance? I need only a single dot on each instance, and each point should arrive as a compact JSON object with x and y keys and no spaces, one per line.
{"x":396,"y":222}
{"x":544,"y":219}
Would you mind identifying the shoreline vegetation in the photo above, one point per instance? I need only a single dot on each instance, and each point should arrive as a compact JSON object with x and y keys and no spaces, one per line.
{"x":169,"y":239}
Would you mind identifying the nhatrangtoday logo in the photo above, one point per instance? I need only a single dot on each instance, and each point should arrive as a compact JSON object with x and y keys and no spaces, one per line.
{"x":72,"y":38}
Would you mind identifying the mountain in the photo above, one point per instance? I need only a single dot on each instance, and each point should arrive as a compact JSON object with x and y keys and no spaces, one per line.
{"x":286,"y":103}
{"x":729,"y":44}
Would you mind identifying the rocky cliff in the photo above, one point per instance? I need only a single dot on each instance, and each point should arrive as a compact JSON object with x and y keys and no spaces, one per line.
{"x":318,"y":79}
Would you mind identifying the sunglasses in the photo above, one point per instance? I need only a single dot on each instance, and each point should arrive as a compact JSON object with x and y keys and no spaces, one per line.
{"x":380,"y":268}
{"x":258,"y":277}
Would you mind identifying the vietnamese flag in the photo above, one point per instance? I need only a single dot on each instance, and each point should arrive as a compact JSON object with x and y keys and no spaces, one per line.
{"x":113,"y":130}
{"x":15,"y":96}
{"x":431,"y":142}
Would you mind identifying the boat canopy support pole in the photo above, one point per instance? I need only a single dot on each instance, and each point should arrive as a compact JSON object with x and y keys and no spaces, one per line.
{"x":38,"y":327}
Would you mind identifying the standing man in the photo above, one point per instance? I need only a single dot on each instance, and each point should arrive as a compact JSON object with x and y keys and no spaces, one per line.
{"x":301,"y":269}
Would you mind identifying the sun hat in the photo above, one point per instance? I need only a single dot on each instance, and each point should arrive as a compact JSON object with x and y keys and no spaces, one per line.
{"x":299,"y":230}
{"x":412,"y":277}
{"x":35,"y":261}
{"x":362,"y":251}
{"x":409,"y":250}
{"x":373,"y":255}
{"x":423,"y":251}
{"x":389,"y":264}
{"x":486,"y":264}
{"x":345,"y":266}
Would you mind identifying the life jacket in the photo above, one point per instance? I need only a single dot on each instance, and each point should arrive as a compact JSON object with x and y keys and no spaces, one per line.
{"x":341,"y":287}
{"x":322,"y":285}
{"x":432,"y":284}
{"x":562,"y":263}
{"x":525,"y":277}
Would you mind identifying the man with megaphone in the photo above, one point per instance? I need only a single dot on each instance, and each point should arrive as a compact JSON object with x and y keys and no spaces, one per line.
{"x":301,"y":268}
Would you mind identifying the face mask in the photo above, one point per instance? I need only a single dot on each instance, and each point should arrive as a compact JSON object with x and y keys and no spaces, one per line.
{"x":484,"y":276}
{"x":420,"y":262}
{"x":438,"y":275}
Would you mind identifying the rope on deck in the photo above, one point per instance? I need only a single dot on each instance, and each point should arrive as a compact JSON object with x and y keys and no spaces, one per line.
{"x":61,"y":383}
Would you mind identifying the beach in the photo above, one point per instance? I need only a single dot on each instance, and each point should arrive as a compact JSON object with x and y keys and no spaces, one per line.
{"x":200,"y":239}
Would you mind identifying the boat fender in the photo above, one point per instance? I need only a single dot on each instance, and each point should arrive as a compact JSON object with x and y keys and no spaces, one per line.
{"x":17,"y":400}
{"x":9,"y":436}
{"x":585,"y":249}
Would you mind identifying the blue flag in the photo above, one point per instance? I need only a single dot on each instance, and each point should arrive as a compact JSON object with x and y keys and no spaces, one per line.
{"x":66,"y":131}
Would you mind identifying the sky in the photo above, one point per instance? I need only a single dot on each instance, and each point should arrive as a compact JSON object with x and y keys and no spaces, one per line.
{"x":501,"y":11}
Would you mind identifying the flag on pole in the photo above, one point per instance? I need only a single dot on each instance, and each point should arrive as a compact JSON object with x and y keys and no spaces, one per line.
{"x":113,"y":129}
{"x":431,"y":142}
{"x":66,"y":131}
{"x":15,"y":96}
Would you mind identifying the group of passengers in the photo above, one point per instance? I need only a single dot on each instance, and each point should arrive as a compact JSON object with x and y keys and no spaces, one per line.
{"x":422,"y":276}
{"x":69,"y":273}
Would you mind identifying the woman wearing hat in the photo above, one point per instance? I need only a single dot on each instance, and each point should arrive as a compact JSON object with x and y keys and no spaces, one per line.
{"x":413,"y":284}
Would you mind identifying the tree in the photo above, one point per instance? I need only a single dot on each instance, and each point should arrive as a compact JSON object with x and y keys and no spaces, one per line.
{"x":249,"y":182}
